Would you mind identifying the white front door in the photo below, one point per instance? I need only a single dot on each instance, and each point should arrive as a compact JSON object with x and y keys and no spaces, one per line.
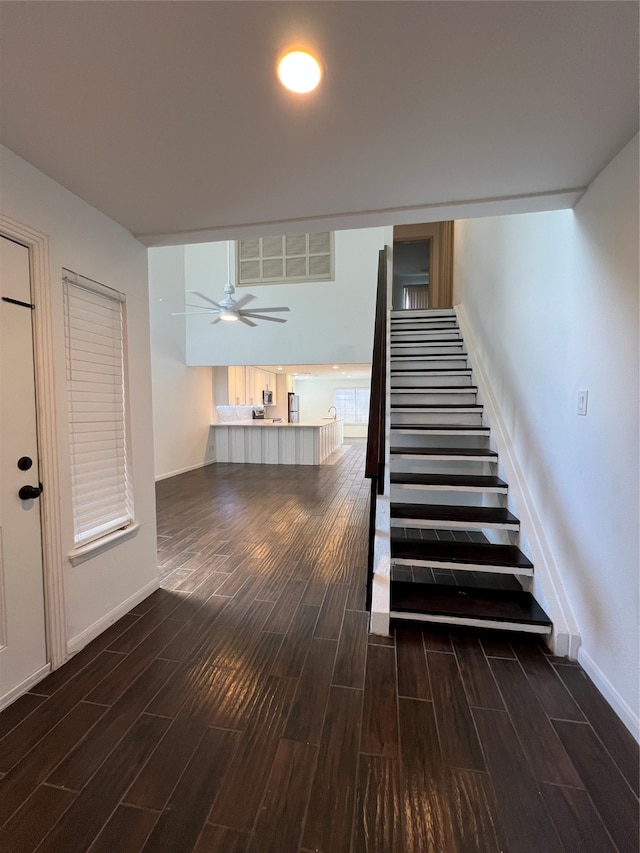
{"x":23,"y":653}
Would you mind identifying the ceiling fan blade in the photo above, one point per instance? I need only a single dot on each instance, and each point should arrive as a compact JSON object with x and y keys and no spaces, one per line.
{"x":217,"y":320}
{"x":204,"y":307}
{"x":189,"y":313}
{"x":205,"y":297}
{"x":262,"y":317}
{"x":244,"y":320}
{"x":243,"y":300}
{"x":268,"y":310}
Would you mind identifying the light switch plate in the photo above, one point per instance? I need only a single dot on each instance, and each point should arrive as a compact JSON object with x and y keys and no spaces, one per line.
{"x":583,"y":397}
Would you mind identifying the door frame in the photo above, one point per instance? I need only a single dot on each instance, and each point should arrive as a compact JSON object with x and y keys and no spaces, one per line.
{"x":440,"y":235}
{"x":51,"y":521}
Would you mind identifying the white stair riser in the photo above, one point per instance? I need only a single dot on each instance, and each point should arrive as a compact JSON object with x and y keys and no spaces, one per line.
{"x":454,"y":438}
{"x":441,"y":316}
{"x":412,"y":313}
{"x":468,"y":622}
{"x":417,"y":326}
{"x":462,"y":567}
{"x":460,"y":465}
{"x":434,"y":397}
{"x":398,"y":520}
{"x":443,"y":362}
{"x":407,"y":336}
{"x":425,"y":381}
{"x":448,"y":434}
{"x":441,"y":497}
{"x":400,"y":352}
{"x":411,"y":491}
{"x":399,"y":419}
{"x":410,"y":464}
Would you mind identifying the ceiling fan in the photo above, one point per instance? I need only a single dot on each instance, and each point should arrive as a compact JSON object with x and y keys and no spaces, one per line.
{"x":231,"y":309}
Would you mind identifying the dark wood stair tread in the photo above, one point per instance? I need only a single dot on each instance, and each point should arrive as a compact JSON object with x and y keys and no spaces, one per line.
{"x":421,"y":322}
{"x":477,"y":553}
{"x":424,"y":324}
{"x":397,"y":338}
{"x":445,"y":512}
{"x":436,"y":427}
{"x":440,"y":406}
{"x":459,"y":602}
{"x":442,"y":355}
{"x":490,"y":455}
{"x":433,"y":389}
{"x":454,"y":480}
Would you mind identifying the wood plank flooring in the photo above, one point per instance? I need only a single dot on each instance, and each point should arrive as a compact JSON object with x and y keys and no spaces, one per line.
{"x":243,"y":708}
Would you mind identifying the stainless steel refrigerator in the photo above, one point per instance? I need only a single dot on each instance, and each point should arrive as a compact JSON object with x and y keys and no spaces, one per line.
{"x":293,"y":414}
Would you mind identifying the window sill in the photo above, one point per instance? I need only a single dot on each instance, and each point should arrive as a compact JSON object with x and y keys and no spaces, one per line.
{"x":87,"y":552}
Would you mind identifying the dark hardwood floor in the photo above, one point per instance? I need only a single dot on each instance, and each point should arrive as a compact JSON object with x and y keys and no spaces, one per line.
{"x":242,"y":708}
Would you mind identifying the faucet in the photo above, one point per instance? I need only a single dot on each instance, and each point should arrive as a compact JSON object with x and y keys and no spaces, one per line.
{"x":335,"y":412}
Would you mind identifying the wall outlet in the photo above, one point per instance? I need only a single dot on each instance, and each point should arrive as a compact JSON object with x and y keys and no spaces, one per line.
{"x":583,"y":397}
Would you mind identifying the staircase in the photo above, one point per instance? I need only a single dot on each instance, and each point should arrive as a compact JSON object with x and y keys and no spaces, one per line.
{"x":454,"y":557}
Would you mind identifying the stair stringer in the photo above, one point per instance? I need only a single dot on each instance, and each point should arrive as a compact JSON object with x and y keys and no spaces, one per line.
{"x":381,"y":591}
{"x":379,"y":619}
{"x":548,"y":588}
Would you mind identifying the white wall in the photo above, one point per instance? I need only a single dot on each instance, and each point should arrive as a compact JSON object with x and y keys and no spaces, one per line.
{"x":329,"y":322}
{"x":89,"y":243}
{"x":552,"y":299}
{"x":183,"y":404}
{"x":316,"y":396}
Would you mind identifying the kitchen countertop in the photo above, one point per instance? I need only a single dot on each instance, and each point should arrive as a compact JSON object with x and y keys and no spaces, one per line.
{"x":259,"y":422}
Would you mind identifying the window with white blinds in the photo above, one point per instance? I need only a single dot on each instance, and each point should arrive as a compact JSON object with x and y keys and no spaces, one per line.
{"x":352,"y":404}
{"x":285,"y":260}
{"x":96,"y":388}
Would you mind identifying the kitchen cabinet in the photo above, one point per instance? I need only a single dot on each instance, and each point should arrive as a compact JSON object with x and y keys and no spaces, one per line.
{"x":236,"y":386}
{"x":246,"y":384}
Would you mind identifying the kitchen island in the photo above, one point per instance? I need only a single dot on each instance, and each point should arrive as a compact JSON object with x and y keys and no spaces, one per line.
{"x":277,"y":443}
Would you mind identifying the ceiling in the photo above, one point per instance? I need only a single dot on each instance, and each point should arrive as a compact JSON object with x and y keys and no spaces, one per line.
{"x":321,"y":371}
{"x":167,"y":116}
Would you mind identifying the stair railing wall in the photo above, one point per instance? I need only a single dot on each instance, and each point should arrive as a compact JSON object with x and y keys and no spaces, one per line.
{"x":375,"y":458}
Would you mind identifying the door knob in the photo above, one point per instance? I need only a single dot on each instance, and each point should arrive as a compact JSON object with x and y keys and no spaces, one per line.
{"x":27,"y":493}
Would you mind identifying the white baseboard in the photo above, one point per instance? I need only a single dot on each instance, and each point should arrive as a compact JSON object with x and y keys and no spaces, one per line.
{"x":78,"y":642}
{"x":183,"y":470}
{"x":25,"y":685}
{"x":622,"y":709}
{"x":548,"y":586}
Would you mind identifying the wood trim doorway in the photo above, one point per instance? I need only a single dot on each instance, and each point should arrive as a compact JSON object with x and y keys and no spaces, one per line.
{"x":440,"y":237}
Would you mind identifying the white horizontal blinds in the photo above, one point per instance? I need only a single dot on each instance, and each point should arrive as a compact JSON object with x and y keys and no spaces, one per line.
{"x":416,"y":296}
{"x":352,"y":404}
{"x":94,"y":337}
{"x":291,"y":258}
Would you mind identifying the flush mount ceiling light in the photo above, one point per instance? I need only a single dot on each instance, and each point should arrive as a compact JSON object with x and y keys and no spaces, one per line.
{"x":229,"y":309}
{"x":299,"y":71}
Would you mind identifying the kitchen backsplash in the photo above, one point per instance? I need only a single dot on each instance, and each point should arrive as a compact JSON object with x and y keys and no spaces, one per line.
{"x":236,"y":413}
